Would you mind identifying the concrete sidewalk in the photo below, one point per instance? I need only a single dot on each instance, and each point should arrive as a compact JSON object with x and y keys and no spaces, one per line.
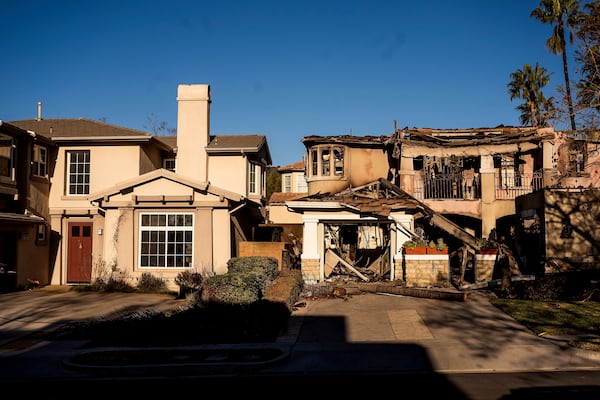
{"x":384,"y":333}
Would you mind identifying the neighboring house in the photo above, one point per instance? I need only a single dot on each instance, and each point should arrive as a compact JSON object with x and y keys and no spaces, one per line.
{"x":368,"y":195}
{"x":293,"y":179}
{"x":126,"y":202}
{"x":24,"y":217}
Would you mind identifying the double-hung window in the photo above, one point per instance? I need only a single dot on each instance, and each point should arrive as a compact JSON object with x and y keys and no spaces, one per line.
{"x":255,"y":179}
{"x":40,"y":161}
{"x":287,"y":183}
{"x":166,"y":240}
{"x":78,"y":172}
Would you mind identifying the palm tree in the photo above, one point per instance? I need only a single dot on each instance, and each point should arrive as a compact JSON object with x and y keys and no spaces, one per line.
{"x":563,"y":14}
{"x":527,"y":84}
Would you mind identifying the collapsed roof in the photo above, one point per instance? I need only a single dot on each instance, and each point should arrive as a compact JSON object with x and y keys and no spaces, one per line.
{"x":379,"y":198}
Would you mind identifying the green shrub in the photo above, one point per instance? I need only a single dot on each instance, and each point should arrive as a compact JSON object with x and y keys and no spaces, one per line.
{"x":149,"y":283}
{"x":232,"y":288}
{"x":264,"y":269}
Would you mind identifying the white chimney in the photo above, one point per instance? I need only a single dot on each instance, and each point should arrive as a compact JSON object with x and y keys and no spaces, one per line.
{"x":193,"y":131}
{"x":39,"y":117}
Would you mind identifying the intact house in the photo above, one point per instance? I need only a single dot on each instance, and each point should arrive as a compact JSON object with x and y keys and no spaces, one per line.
{"x":368,"y":195}
{"x":121,"y":202}
{"x":25,"y":243}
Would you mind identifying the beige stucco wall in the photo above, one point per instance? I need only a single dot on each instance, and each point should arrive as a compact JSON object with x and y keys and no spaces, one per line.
{"x":582,"y":210}
{"x":32,"y":257}
{"x":221,"y":247}
{"x":108,"y":166}
{"x":279,"y":214}
{"x":119,"y":244}
{"x":361,"y":166}
{"x":229,"y":173}
{"x":193,"y":129}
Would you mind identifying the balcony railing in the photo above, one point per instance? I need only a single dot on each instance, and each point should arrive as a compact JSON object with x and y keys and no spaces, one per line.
{"x":465,"y":187}
{"x":510,"y":185}
{"x":447,"y":186}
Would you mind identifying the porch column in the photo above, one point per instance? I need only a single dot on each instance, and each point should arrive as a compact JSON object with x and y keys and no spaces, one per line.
{"x":548,"y":169}
{"x":407,"y":175}
{"x":312,"y":270}
{"x":404,"y":225}
{"x":488,"y":194}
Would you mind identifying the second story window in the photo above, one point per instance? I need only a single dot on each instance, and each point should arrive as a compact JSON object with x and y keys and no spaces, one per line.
{"x":327,"y":161}
{"x":169,"y":164}
{"x":40,"y":161}
{"x":287,"y":183}
{"x":78,"y":172}
{"x":301,"y":185}
{"x":6,"y":157}
{"x":255,"y":179}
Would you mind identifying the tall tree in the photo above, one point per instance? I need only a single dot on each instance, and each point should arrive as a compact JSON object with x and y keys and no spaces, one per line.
{"x":563,"y":15}
{"x":527,"y":84}
{"x":588,"y":56}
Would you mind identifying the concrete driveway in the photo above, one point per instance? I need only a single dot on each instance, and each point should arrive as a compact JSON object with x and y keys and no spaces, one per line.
{"x":25,"y":312}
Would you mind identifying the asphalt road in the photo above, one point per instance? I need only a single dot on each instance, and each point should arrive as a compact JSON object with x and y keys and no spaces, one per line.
{"x":365,"y":345}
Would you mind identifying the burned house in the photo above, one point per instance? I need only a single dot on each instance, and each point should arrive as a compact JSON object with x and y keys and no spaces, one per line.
{"x":368,"y":195}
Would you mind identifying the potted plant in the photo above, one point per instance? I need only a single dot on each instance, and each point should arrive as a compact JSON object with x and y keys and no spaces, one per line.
{"x":418,"y":246}
{"x":437,"y":247}
{"x":486,"y":246}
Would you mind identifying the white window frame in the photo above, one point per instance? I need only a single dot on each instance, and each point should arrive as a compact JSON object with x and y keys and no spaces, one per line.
{"x":301,"y":184}
{"x":254,"y":178}
{"x":77,"y":169}
{"x":160,"y":232}
{"x":287,"y":183}
{"x":39,"y":161}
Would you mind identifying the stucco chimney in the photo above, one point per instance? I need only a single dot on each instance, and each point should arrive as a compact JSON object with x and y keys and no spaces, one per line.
{"x":193,"y":130}
{"x":39,"y":117}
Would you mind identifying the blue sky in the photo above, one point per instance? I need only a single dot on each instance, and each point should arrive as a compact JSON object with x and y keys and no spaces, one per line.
{"x":285,"y":69}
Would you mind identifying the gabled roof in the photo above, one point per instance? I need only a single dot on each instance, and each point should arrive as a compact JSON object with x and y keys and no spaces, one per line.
{"x":164,"y":174}
{"x":295,"y":167}
{"x":239,"y":144}
{"x":281,"y":197}
{"x":63,"y":128}
{"x":169,"y":141}
{"x":17,"y":131}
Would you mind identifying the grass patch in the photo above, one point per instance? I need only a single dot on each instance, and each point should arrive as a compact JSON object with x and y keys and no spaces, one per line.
{"x":578,"y":318}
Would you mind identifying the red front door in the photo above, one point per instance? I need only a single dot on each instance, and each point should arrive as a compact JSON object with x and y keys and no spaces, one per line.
{"x":79,"y":264}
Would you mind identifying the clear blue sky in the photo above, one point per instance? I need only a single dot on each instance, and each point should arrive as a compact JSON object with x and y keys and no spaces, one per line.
{"x":286,"y":69}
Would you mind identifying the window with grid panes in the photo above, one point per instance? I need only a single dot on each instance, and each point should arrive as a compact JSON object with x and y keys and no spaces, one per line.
{"x":166,"y":240}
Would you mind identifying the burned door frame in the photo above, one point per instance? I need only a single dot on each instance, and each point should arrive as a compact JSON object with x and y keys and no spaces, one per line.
{"x":349,"y":254}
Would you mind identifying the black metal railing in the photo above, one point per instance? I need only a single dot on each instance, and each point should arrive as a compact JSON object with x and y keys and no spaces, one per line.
{"x":448,"y":186}
{"x":511,"y":185}
{"x":468,"y":186}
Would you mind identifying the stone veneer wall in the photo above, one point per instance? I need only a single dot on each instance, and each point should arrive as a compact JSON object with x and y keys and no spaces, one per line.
{"x":423,"y":270}
{"x":310,"y":270}
{"x":484,"y":267}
